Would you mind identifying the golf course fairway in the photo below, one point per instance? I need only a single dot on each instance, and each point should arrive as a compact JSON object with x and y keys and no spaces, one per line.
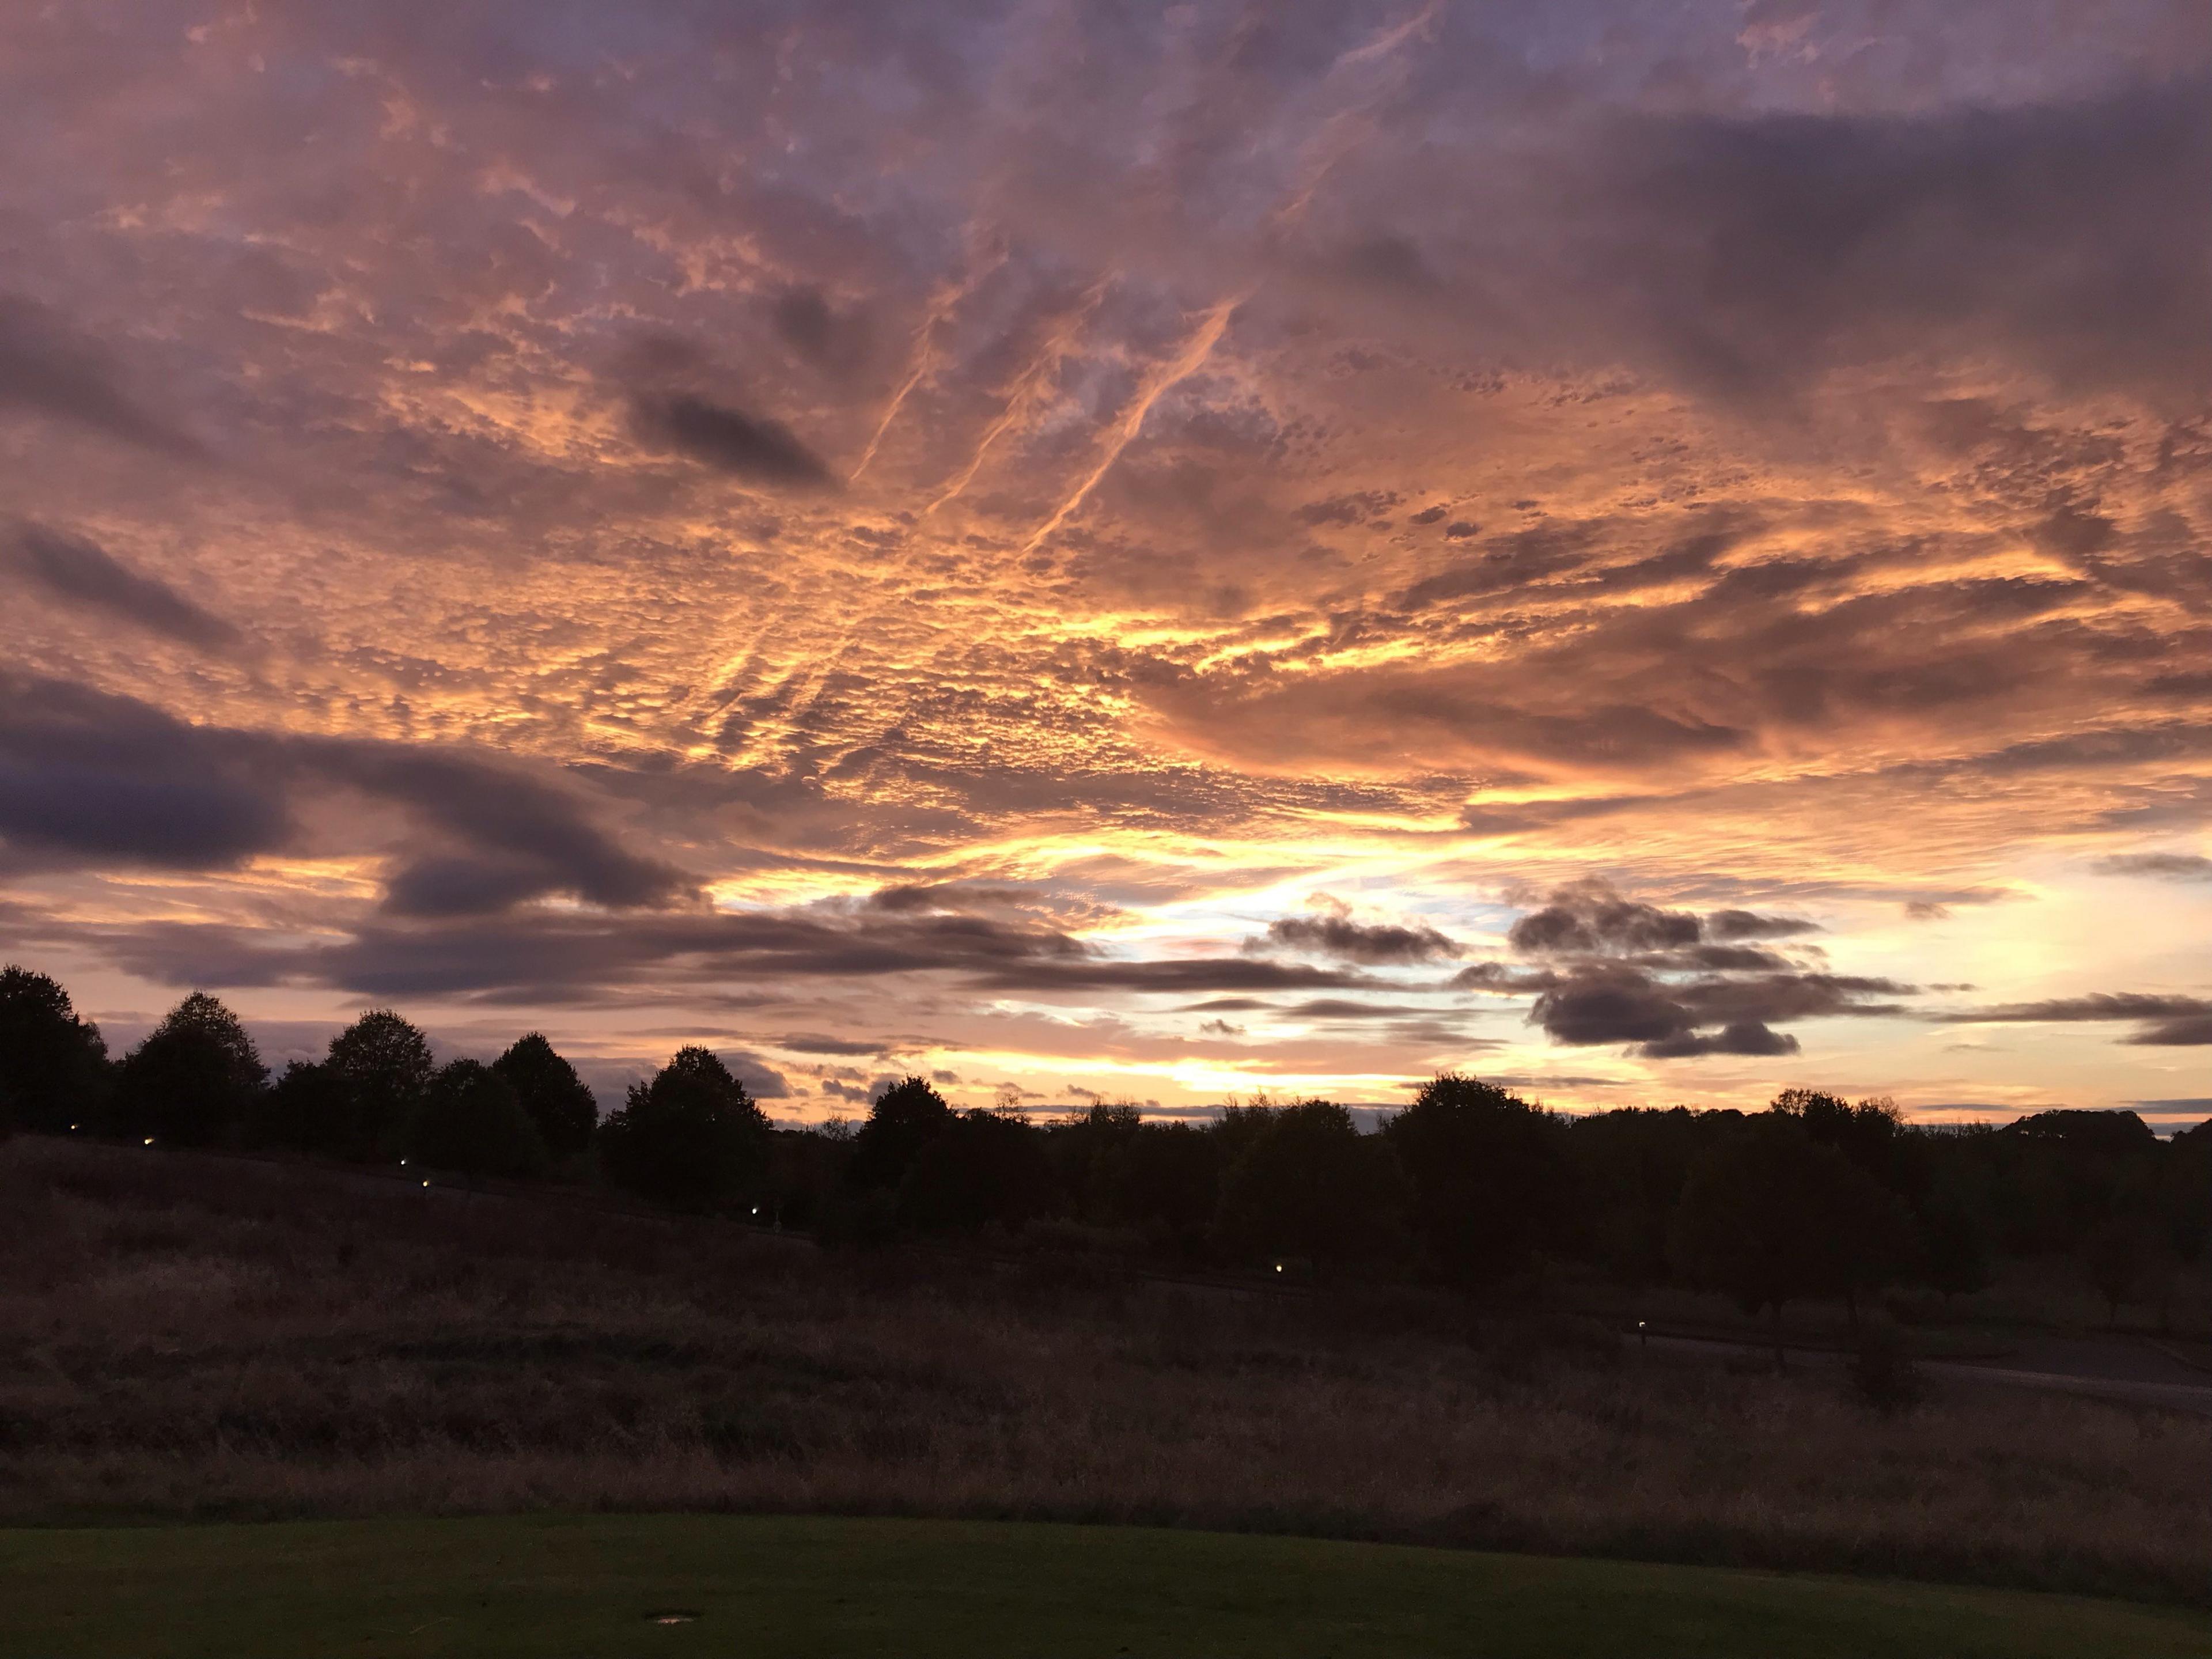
{"x":674,"y":1586}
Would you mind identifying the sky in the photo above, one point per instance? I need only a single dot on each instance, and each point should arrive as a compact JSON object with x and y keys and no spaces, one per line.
{"x":1651,"y":551}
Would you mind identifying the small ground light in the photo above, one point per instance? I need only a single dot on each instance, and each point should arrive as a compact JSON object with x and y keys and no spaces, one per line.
{"x":1279,"y":1267}
{"x":150,"y":1140}
{"x":426,"y":1183}
{"x":671,"y":1618}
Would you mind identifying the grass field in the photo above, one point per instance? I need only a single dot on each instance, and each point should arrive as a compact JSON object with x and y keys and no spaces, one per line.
{"x":590,"y":1587}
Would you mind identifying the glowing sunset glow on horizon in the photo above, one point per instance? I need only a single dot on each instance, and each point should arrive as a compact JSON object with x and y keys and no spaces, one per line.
{"x":1653,"y":554}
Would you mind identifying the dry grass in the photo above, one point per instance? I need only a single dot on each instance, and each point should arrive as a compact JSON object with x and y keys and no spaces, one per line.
{"x":185,"y":1336}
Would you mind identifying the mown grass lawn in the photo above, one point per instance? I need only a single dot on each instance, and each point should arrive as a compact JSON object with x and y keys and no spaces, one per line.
{"x":590,"y":1587}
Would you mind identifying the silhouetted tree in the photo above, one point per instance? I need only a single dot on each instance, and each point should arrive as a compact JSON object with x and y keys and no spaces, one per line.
{"x":550,"y":1091}
{"x":195,"y":1077}
{"x":1872,"y":1134}
{"x":1488,"y":1182}
{"x":903,"y":1120}
{"x":1308,"y":1184}
{"x":1769,"y":1217}
{"x":472,"y":1122}
{"x":690,"y":1137}
{"x":1168,"y":1183}
{"x":385,"y":1065}
{"x":980,"y":1168}
{"x":53,"y":1066}
{"x":1952,"y":1259}
{"x":304,"y":1110}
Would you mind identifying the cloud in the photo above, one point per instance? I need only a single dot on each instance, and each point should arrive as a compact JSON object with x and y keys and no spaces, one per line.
{"x":91,"y":778}
{"x":2160,"y":866}
{"x":1373,"y":943}
{"x":47,"y":369}
{"x":2166,"y":1020}
{"x":1619,"y":970}
{"x":1587,"y":917}
{"x":86,"y":777}
{"x":76,"y":570}
{"x":730,"y":441}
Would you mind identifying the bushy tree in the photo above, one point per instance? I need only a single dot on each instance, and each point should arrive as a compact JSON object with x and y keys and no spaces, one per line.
{"x":903,"y":1120}
{"x":982,"y":1167}
{"x":471,"y":1122}
{"x":1770,"y":1218}
{"x":385,"y":1065}
{"x":1872,"y":1134}
{"x":304,"y":1110}
{"x":556,"y":1099}
{"x":53,"y":1066}
{"x":1308,"y":1184}
{"x":194,"y":1080}
{"x":1487,"y":1177}
{"x":1167,"y":1182}
{"x":689,"y":1137}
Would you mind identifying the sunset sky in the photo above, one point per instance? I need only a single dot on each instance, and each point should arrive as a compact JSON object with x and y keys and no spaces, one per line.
{"x":1654,"y":552}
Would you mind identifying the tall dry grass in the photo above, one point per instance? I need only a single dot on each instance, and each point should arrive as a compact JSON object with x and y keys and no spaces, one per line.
{"x":185,"y":1336}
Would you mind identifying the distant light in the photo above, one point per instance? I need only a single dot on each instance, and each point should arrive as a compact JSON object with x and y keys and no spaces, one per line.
{"x":150,"y":1140}
{"x":403,"y":1163}
{"x":75,"y":1127}
{"x":755,"y":1209}
{"x":1279,"y":1267}
{"x":426,"y":1183}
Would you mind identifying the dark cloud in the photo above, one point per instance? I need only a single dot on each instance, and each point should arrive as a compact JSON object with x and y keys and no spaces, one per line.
{"x":77,"y":570}
{"x":2161,"y":867}
{"x":88,"y":778}
{"x":1769,"y":249}
{"x":836,"y":343}
{"x":730,"y":441}
{"x":1620,"y":970}
{"x":803,"y":1042}
{"x":1748,"y":1036}
{"x":1373,"y":943}
{"x":2165,"y":1020}
{"x":1745,"y":924}
{"x":762,"y":1080}
{"x":47,"y":369}
{"x":1588,"y":917}
{"x":1668,"y":1019}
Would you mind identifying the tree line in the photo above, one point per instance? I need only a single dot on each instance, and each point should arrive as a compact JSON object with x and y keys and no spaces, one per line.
{"x":1814,"y":1198}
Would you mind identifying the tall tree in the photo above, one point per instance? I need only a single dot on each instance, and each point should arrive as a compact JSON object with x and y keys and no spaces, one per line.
{"x":1488,"y":1179}
{"x":903,"y":1120}
{"x":1308,"y":1184}
{"x":556,"y":1099}
{"x":472,"y":1122}
{"x":689,"y":1137}
{"x":384,"y":1065}
{"x":1770,"y":1218}
{"x":194,"y":1080}
{"x":53,"y":1066}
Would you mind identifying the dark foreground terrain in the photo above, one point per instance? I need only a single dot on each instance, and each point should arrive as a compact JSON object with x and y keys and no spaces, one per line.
{"x":612,"y":1587}
{"x":202,"y":1338}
